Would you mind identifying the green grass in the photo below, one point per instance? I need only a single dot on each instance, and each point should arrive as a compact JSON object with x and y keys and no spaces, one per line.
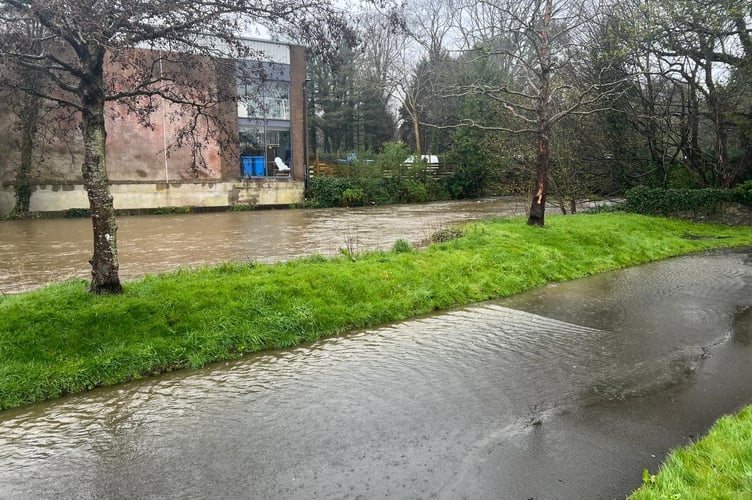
{"x":61,"y":340}
{"x":717,"y":467}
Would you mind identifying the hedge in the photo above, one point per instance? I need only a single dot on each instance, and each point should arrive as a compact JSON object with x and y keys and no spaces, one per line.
{"x":656,"y":201}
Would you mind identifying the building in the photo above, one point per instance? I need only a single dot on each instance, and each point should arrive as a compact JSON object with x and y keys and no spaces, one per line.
{"x":266,"y":167}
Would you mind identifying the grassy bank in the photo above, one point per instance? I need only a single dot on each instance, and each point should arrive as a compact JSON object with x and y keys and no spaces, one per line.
{"x":718,"y":466}
{"x":61,"y":340}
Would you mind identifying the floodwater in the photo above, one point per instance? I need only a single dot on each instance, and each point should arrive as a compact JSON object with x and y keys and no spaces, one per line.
{"x":34,"y":253}
{"x":563,"y":392}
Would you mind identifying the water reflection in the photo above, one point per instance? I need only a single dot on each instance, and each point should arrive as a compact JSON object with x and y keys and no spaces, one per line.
{"x":37,"y":252}
{"x":527,"y":396}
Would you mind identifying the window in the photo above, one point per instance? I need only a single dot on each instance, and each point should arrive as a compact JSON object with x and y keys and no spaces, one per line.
{"x":263,"y":117}
{"x":259,"y":146}
{"x":269,"y":100}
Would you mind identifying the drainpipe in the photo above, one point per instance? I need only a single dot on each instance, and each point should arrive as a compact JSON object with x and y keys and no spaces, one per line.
{"x":164,"y":122}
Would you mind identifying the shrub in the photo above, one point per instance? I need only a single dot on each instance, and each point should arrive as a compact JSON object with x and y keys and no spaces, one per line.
{"x":410,"y":190}
{"x":379,"y":181}
{"x":328,"y":191}
{"x":446,"y":234}
{"x":393,"y":156}
{"x":657,"y":201}
{"x":243,"y":207}
{"x":353,"y":196}
{"x":743,"y":193}
{"x":77,"y":213}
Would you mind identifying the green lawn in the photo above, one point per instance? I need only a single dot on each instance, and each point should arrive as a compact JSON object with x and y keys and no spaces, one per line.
{"x":717,"y":467}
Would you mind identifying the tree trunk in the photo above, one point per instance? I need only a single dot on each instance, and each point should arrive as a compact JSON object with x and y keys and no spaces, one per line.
{"x":29,"y":116}
{"x":29,"y":121}
{"x":416,"y":129}
{"x":543,"y":158}
{"x":104,"y":262}
{"x":715,"y":104}
{"x":543,"y":134}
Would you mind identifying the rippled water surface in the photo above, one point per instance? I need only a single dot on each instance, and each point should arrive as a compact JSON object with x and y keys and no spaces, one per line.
{"x":36,"y":252}
{"x":563,"y":392}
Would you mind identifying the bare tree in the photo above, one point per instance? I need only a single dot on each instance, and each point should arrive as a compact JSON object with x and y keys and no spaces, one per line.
{"x":379,"y":54}
{"x":703,"y":42}
{"x":381,"y":48}
{"x":542,"y":55}
{"x":408,"y":47}
{"x":431,"y":24}
{"x":412,"y":83}
{"x":93,"y":54}
{"x":682,"y":54}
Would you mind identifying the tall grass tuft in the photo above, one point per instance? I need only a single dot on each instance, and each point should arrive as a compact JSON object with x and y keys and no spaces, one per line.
{"x":402,"y":246}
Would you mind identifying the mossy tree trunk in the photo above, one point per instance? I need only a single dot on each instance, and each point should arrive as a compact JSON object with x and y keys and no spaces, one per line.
{"x":29,"y":116}
{"x":104,"y":262}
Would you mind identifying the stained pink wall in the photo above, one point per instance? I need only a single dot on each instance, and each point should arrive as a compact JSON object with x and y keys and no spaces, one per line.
{"x":136,"y":145}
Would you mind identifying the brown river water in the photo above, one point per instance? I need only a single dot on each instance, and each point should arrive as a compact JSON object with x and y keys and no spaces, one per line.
{"x":36,"y":252}
{"x":564,"y":392}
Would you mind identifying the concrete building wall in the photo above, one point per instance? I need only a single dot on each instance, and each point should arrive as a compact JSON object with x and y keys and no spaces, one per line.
{"x":267,"y":192}
{"x":7,"y":201}
{"x":256,"y":192}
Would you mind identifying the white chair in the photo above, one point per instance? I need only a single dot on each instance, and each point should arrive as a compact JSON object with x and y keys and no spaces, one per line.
{"x":281,"y":167}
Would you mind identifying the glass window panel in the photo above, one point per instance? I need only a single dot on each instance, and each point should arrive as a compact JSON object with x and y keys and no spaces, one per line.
{"x":269,"y":100}
{"x":261,"y":145}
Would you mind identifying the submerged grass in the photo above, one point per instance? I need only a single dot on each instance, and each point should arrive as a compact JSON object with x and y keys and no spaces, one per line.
{"x":62,"y":340}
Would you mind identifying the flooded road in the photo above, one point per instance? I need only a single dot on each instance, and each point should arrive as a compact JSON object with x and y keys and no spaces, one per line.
{"x":36,"y":252}
{"x":564,"y":392}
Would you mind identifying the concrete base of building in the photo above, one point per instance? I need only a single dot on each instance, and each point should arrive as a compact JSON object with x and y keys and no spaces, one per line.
{"x":52,"y":198}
